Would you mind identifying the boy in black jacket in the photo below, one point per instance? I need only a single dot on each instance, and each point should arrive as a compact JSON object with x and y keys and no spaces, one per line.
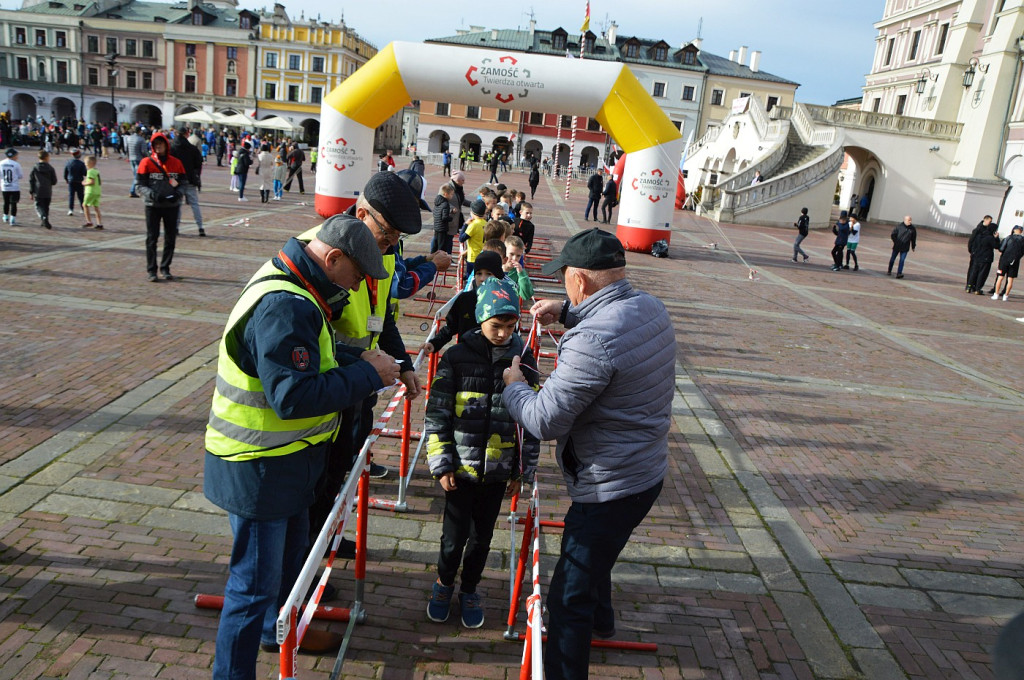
{"x":41,"y":181}
{"x":462,"y":316}
{"x":473,"y":446}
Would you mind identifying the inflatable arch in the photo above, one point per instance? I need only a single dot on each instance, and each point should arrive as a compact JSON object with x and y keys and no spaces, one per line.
{"x":607,"y":91}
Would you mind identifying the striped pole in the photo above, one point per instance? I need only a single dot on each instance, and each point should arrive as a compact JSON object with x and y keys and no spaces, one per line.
{"x":572,"y":142}
{"x":558,"y":143}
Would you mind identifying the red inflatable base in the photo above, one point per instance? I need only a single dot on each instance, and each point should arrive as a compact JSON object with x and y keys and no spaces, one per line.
{"x":329,"y":206}
{"x":640,"y":240}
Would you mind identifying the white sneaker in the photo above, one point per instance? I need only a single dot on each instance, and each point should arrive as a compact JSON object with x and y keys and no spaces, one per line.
{"x":71,"y":212}
{"x":243,"y":199}
{"x":1004,"y":297}
{"x":12,"y":224}
{"x":277,"y":198}
{"x":995,"y":296}
{"x":5,"y":218}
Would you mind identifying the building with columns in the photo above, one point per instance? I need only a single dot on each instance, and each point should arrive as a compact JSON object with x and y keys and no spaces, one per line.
{"x":40,"y":65}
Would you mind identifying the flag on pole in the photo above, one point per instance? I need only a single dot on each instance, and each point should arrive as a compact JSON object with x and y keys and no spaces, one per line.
{"x":586,"y":20}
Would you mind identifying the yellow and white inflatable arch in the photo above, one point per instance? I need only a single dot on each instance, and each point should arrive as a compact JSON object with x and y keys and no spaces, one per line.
{"x":607,"y":91}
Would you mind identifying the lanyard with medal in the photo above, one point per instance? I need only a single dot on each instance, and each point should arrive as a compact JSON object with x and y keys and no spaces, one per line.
{"x":375,"y":322}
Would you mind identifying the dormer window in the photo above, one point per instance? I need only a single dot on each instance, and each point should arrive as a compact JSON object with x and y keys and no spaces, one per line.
{"x":660,"y":53}
{"x":559,"y":39}
{"x":589,"y":41}
{"x":689,"y":57}
{"x":632,"y":49}
{"x":197,"y":18}
{"x":244,"y":21}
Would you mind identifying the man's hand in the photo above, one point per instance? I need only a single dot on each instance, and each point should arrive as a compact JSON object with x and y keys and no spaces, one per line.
{"x":547,"y":311}
{"x":428,"y":347}
{"x":448,"y":481}
{"x":412,"y":384}
{"x":512,"y":374}
{"x":384,"y":364}
{"x":512,"y":488}
{"x":440,"y":259}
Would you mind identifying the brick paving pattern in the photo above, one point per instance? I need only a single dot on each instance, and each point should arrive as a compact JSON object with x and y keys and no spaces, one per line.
{"x":842,"y":500}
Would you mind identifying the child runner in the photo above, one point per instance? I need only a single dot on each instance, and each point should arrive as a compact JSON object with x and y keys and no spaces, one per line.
{"x":473,"y":234}
{"x":473,"y":447}
{"x":280,"y":172}
{"x":93,"y":191}
{"x":802,"y":224}
{"x":41,"y":181}
{"x":462,"y":315}
{"x":851,"y":243}
{"x":10,"y":184}
{"x":524,"y":227}
{"x":514,"y":270}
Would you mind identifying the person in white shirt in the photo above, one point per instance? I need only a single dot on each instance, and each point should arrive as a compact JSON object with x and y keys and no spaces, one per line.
{"x":851,"y":243}
{"x":10,"y":184}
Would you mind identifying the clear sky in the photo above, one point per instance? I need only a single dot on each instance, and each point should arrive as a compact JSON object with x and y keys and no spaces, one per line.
{"x":825,"y":45}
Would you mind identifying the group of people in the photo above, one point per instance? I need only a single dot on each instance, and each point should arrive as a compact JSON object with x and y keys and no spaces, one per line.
{"x":597,"y":189}
{"x":847,"y":231}
{"x":82,"y":178}
{"x":316,"y":322}
{"x":982,"y":245}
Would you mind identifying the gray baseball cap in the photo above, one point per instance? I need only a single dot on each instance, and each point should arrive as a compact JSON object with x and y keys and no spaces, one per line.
{"x":350,"y":236}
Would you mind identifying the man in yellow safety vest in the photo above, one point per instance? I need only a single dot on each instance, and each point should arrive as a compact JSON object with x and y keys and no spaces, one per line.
{"x":281,"y":385}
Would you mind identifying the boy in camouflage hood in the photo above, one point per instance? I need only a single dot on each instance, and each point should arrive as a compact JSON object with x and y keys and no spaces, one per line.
{"x":473,"y":448}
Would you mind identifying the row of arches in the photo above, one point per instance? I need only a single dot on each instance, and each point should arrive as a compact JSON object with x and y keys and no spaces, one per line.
{"x":25,"y":107}
{"x":440,"y":141}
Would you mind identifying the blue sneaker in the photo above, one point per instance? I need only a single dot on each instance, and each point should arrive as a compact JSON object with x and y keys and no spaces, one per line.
{"x":440,"y":603}
{"x":472,"y":612}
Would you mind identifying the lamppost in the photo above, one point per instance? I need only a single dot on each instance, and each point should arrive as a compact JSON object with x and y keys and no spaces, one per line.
{"x":112,"y":77}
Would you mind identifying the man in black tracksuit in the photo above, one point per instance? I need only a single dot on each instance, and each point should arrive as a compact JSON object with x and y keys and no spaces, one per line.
{"x":192,"y":160}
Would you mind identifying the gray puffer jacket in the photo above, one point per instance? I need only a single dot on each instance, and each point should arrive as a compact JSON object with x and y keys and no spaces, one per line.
{"x":609,"y":401}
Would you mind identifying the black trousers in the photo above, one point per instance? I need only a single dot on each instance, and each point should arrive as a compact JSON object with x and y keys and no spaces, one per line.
{"x":978,"y":273}
{"x":43,"y":208}
{"x":169,"y":217}
{"x":297,"y":174}
{"x":470,"y":512}
{"x":837,"y":255}
{"x":606,"y":210}
{"x":11,"y":202}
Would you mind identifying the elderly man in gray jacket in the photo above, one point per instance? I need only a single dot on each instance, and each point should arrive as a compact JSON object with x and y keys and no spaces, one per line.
{"x":609,"y":405}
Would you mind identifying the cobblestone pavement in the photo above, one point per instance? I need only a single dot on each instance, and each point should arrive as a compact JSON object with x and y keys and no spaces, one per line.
{"x":843,"y":499}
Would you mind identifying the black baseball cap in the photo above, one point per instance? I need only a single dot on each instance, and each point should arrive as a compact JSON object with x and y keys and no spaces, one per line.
{"x":591,"y":249}
{"x":390,"y":195}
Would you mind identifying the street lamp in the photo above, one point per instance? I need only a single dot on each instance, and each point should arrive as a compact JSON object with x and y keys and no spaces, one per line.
{"x":112,"y":76}
{"x":922,"y":82}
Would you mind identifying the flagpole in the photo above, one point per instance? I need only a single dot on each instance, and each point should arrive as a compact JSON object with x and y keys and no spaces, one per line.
{"x":572,"y":143}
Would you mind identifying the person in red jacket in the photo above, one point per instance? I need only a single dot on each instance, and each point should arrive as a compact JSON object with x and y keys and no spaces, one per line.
{"x":158,"y":181}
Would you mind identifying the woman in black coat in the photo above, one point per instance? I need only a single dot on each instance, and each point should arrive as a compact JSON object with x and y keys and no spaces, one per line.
{"x":534,"y":179}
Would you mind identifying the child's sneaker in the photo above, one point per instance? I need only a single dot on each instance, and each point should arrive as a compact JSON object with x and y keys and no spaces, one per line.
{"x":995,"y":296}
{"x":1005,"y":297}
{"x":472,"y":612}
{"x":12,"y":220}
{"x":440,"y":603}
{"x":5,"y":218}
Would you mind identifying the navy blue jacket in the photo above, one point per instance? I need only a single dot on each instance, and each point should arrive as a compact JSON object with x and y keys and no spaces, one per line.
{"x":281,"y":486}
{"x":842,"y":232}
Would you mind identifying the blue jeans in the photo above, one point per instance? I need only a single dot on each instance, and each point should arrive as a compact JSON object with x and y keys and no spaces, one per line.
{"x":592,"y":201}
{"x":903,"y":258}
{"x":135,"y":168}
{"x":580,"y":594}
{"x":266,"y":558}
{"x":797,"y":250}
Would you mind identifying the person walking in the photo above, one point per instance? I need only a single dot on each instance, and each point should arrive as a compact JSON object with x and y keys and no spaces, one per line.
{"x":534,"y":178}
{"x":159,"y":178}
{"x":265,"y":169}
{"x":241,"y":170}
{"x":612,"y":447}
{"x":492,"y":164}
{"x":594,"y":186}
{"x":985,"y":244}
{"x":10,"y":184}
{"x":611,"y":199}
{"x":904,"y":239}
{"x":267,"y":441}
{"x":136,"y":152}
{"x":41,"y":181}
{"x":74,"y":175}
{"x":222,"y":148}
{"x":93,"y":184}
{"x":446,"y":163}
{"x":803,"y":225}
{"x":192,"y":160}
{"x":295,"y":160}
{"x":852,"y":242}
{"x":842,"y":231}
